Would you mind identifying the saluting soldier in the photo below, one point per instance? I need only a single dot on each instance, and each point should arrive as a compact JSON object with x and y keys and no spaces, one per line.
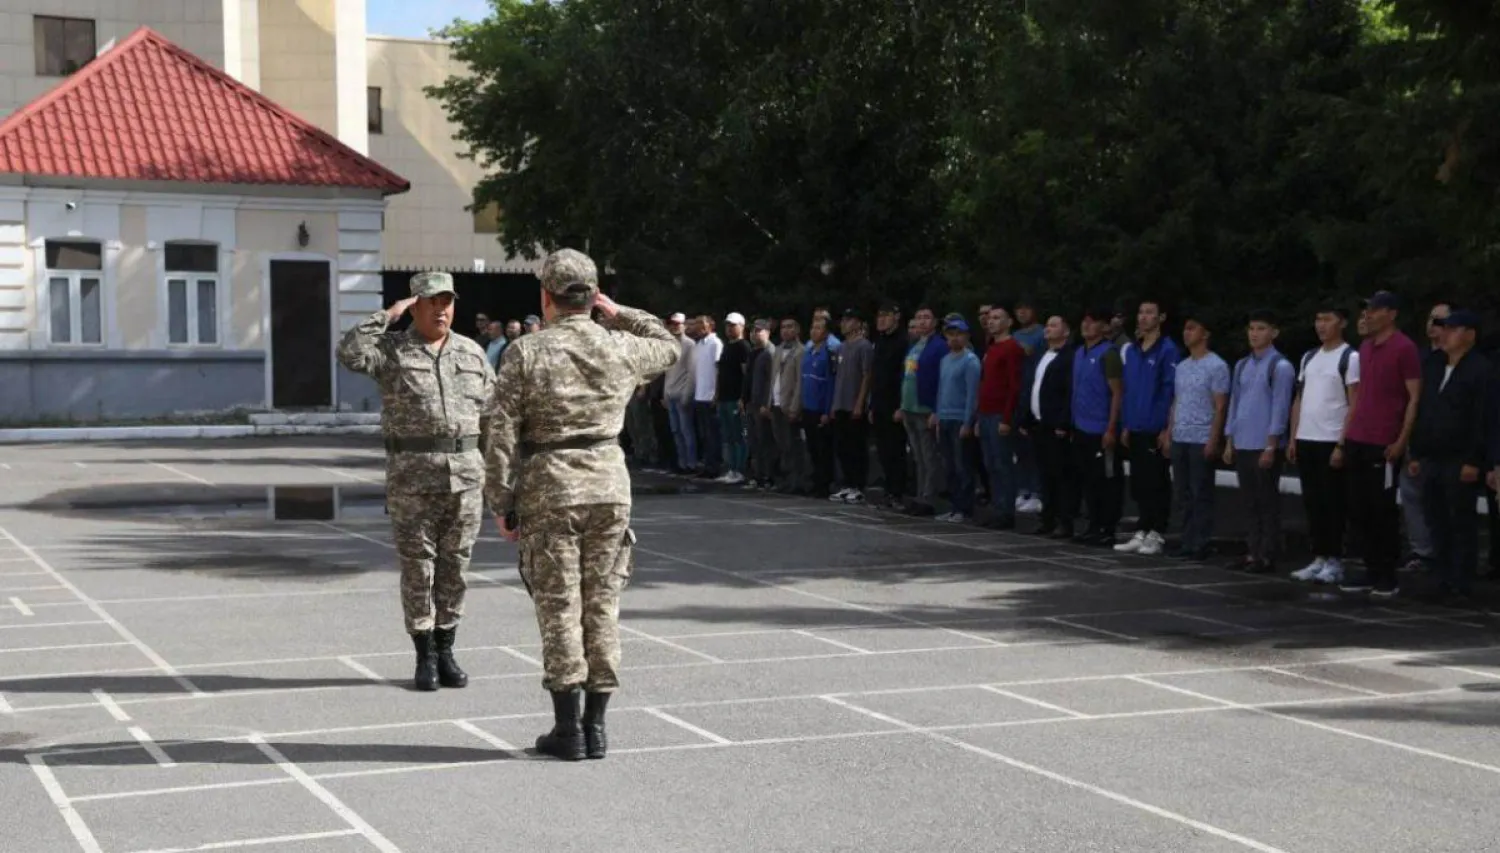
{"x":433,"y":387}
{"x":554,"y":460}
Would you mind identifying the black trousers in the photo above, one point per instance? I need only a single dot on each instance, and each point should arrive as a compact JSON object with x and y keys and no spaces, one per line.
{"x":1325,"y":492}
{"x":1151,"y":482}
{"x":1373,"y":514}
{"x":890,"y":446}
{"x":1448,"y":505}
{"x":819,"y":438}
{"x":851,"y":438}
{"x":1059,"y":486}
{"x":974,"y":458}
{"x":1262,"y":490}
{"x":1103,"y":477}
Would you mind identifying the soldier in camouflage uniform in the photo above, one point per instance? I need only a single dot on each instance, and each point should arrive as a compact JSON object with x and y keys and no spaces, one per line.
{"x":433,"y":387}
{"x":555,"y":461}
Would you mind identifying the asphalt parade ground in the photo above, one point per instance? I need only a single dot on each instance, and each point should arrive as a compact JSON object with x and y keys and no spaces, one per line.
{"x":201,"y":648}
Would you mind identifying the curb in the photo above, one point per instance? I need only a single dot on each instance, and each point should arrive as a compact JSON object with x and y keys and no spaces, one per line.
{"x":158,"y":433}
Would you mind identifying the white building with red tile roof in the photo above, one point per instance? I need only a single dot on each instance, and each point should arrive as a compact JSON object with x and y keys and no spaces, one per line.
{"x":172,"y":240}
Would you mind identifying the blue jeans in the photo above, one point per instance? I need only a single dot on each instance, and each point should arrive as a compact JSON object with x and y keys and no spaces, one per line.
{"x":680,"y":416}
{"x":732,"y":428}
{"x":959,"y":478}
{"x":1000,"y":461}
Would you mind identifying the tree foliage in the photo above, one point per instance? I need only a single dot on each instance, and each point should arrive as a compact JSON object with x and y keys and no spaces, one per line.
{"x":776,"y":154}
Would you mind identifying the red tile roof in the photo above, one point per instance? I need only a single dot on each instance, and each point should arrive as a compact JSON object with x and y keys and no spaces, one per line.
{"x":147,"y":110}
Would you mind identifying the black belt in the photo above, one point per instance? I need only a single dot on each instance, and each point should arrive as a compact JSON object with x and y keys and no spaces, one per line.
{"x":462,"y":444}
{"x":532,"y":448}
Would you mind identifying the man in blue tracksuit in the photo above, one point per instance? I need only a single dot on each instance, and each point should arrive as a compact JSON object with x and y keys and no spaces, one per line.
{"x":1097,"y":399}
{"x":1150,"y":368}
{"x":817,"y":407}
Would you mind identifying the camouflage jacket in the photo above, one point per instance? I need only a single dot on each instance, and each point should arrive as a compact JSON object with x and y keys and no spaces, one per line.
{"x":569,"y":382}
{"x":424,"y":395}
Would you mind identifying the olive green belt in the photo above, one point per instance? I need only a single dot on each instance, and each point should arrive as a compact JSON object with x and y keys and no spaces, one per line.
{"x":432,"y":444}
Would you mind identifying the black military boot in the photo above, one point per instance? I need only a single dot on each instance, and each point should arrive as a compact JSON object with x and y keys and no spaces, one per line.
{"x":565,"y":741}
{"x":427,"y":677}
{"x":449,"y":675}
{"x":596,"y":744}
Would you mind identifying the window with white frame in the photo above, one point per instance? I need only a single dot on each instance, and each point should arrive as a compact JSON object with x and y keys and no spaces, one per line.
{"x":75,"y":291}
{"x":192,"y":294}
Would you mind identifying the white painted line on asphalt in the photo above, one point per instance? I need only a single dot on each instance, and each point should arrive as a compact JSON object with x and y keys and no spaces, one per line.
{"x":1210,"y":621}
{"x":111,"y":706}
{"x":493,"y":740}
{"x":1079,"y":784}
{"x":257,"y":842}
{"x":52,"y":624}
{"x":351,"y":533}
{"x":181,"y":473}
{"x":1323,"y":681}
{"x":80,"y":465}
{"x":228,"y":596}
{"x":5,"y":707}
{"x":1082,"y":627}
{"x":363,"y":670}
{"x":44,"y":588}
{"x":636,"y":632}
{"x":350,"y":817}
{"x":1489,"y":676}
{"x":878,"y":567}
{"x":70,"y":815}
{"x":849,"y":647}
{"x":794,"y":739}
{"x":1037,"y":702}
{"x":346,"y":475}
{"x":103,"y":614}
{"x":521,"y":656}
{"x":686,"y":726}
{"x":20,"y":605}
{"x":1268,"y":712}
{"x":813,"y":595}
{"x":152,"y":747}
{"x":64,"y":648}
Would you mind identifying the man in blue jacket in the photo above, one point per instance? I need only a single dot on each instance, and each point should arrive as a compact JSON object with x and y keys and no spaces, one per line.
{"x":1150,"y":367}
{"x":817,"y":407}
{"x":1097,"y":399}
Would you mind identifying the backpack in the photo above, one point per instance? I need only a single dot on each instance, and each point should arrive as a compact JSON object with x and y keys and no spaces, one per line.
{"x":1343,"y":366}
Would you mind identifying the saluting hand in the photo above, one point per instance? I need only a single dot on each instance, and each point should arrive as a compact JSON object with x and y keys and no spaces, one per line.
{"x":505,"y":532}
{"x":395,"y":311}
{"x":606,"y":306}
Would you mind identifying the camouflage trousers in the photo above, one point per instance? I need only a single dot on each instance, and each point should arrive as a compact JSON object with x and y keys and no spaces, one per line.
{"x":576,"y":561}
{"x":434,"y":536}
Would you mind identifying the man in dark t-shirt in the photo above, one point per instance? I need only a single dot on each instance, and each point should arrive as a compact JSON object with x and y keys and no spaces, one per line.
{"x":731,"y":390}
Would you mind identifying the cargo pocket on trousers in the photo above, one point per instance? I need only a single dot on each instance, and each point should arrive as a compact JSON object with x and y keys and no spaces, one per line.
{"x":523,"y":564}
{"x":625,"y":559}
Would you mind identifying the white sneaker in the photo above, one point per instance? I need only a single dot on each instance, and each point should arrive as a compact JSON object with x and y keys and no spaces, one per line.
{"x":1155,"y":543}
{"x":1134,"y":545}
{"x":1032,"y":506}
{"x":1310,"y":571}
{"x":726,"y":477}
{"x":1332,"y":572}
{"x":854,"y":496}
{"x":1021,"y":502}
{"x":738,"y":477}
{"x":840,"y":495}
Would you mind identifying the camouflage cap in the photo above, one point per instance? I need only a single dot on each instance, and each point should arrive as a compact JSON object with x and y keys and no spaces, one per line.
{"x":431,"y":284}
{"x":569,"y":271}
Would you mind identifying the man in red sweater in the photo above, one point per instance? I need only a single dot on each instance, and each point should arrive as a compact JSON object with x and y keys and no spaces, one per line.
{"x":999,"y":390}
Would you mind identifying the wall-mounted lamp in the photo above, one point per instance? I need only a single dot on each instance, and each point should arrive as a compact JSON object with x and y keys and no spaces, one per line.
{"x":302,"y":236}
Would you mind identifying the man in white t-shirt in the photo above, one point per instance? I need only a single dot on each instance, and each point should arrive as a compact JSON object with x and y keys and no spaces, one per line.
{"x":1327,"y":383}
{"x":705,"y":396}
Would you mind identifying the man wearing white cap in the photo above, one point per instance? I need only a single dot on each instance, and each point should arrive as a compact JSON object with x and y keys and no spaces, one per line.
{"x":729,"y":393}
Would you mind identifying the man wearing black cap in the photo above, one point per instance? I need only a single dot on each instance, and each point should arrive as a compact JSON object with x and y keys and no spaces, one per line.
{"x":1448,"y":450}
{"x":1380,"y":427}
{"x":886,"y":373}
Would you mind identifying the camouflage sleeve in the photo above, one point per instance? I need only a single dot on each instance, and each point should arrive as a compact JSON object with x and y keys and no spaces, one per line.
{"x":359,"y":349}
{"x":502,"y":420}
{"x":652,"y":348}
{"x":489,"y":393}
